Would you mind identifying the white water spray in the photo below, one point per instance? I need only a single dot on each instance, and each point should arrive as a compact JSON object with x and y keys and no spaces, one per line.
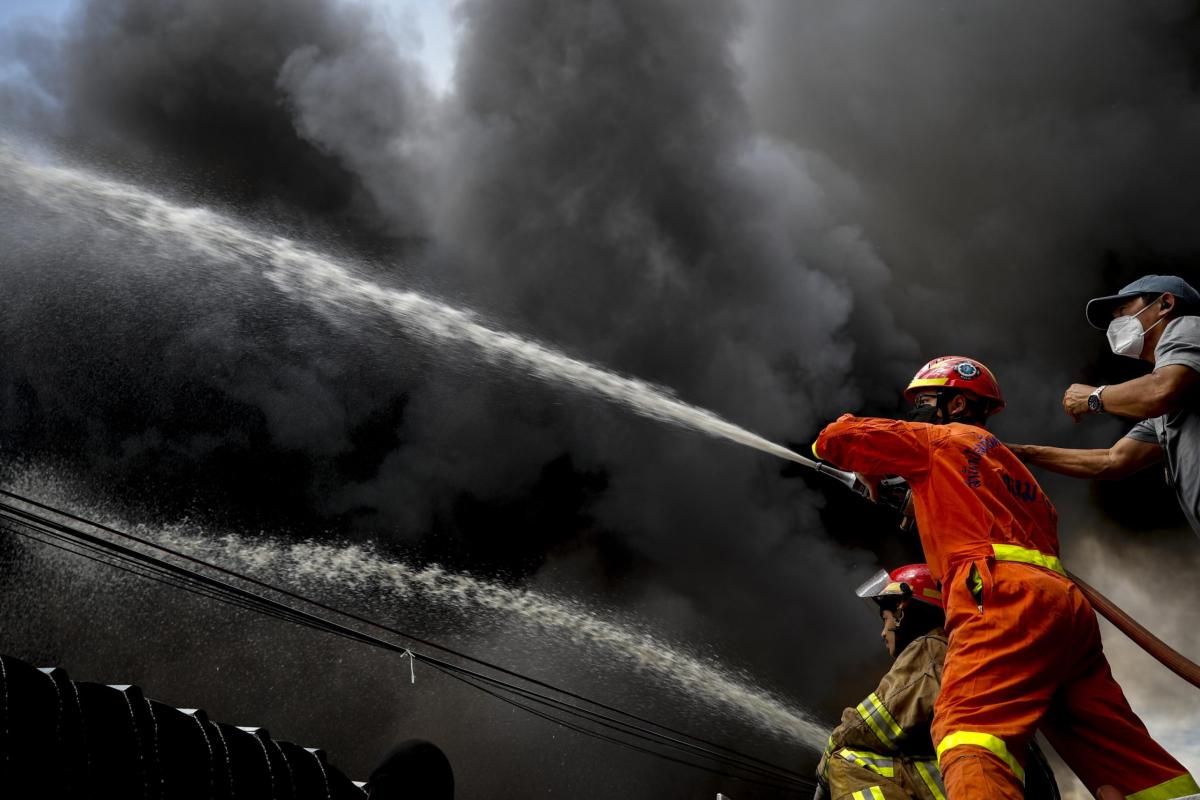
{"x":350,"y":568}
{"x":318,"y":569}
{"x":332,"y":286}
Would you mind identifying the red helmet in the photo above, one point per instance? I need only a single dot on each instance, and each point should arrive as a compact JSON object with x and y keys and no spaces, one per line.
{"x":958,"y":372}
{"x":913,"y":581}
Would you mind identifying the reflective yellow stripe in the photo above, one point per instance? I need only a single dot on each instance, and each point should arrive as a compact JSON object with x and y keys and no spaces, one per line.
{"x":1176,"y":787}
{"x":869,"y":718}
{"x":885,"y":715}
{"x":988,"y":742}
{"x":933,"y":778}
{"x":1023,"y":555}
{"x":880,"y":720}
{"x":871,"y":793}
{"x":917,"y":384}
{"x":880,"y":765}
{"x":816,"y":455}
{"x":933,"y":593}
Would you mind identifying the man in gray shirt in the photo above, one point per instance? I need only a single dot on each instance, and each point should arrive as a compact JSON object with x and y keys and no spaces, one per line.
{"x":1151,"y":319}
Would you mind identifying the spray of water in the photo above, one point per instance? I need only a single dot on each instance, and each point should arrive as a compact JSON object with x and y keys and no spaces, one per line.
{"x":321,"y":569}
{"x":317,"y":567}
{"x":331,"y":285}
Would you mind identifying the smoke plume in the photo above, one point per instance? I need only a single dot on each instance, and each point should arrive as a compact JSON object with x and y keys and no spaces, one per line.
{"x":778,"y":210}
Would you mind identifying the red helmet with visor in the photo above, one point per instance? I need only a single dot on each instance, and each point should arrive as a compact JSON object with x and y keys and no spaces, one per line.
{"x":912,"y":581}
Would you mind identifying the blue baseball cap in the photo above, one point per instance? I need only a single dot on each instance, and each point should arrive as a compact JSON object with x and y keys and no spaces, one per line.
{"x":1099,"y":311}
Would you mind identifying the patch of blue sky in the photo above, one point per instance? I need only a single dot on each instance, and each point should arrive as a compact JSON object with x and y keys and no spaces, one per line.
{"x":425,"y":26}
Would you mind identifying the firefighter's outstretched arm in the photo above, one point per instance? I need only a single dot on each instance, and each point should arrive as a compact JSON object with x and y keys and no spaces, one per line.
{"x":874,"y":447}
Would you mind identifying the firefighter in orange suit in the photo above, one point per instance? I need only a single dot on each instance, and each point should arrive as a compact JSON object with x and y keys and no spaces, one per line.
{"x":882,"y":750}
{"x":1024,"y":647}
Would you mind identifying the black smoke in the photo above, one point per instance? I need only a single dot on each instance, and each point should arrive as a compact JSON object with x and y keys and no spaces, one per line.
{"x":779,"y":211}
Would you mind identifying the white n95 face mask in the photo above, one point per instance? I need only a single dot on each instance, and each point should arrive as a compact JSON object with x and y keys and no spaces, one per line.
{"x":1125,"y":334}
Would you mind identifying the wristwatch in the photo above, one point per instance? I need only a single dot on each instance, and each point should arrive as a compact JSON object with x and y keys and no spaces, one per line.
{"x":1095,"y":404}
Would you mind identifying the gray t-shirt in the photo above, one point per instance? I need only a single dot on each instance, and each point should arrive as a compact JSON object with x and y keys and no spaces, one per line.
{"x":1179,"y":433}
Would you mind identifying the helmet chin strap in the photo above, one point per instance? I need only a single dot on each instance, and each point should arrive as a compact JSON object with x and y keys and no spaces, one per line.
{"x":943,"y":406}
{"x":943,"y":403}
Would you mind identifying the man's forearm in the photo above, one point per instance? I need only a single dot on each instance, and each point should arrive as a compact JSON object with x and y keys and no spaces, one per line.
{"x":1141,"y":398}
{"x":1066,"y":461}
{"x":1167,"y":389}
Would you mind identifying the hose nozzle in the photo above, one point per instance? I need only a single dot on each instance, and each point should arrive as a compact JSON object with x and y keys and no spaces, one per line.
{"x":847,"y":479}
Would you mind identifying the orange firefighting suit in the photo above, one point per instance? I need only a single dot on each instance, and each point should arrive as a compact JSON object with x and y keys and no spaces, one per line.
{"x":1024,"y":646}
{"x":882,"y":750}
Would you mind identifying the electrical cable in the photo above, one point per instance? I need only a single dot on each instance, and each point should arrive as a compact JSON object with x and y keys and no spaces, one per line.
{"x":366,"y":621}
{"x":151,"y":567}
{"x":402,"y":634}
{"x":633,"y":730}
{"x":578,"y":729}
{"x":444,"y":666}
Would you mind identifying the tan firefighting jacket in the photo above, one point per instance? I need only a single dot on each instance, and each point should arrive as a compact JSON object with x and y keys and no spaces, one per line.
{"x":882,"y":749}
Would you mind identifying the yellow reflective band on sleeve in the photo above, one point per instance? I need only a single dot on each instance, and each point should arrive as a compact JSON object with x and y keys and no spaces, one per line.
{"x":829,"y":746}
{"x":880,"y":720}
{"x":932,"y":593}
{"x":869,"y":718}
{"x":880,"y":765}
{"x":929,"y":772}
{"x":871,"y":793}
{"x":917,"y":384}
{"x":992,"y":744}
{"x":1023,"y":555}
{"x":1182,"y":786}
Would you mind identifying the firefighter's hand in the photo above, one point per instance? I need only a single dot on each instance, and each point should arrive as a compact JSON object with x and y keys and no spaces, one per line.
{"x":1075,"y":400}
{"x":872,"y":484}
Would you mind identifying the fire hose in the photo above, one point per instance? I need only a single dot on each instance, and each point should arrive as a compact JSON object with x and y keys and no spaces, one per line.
{"x":894,"y":492}
{"x":1160,"y":650}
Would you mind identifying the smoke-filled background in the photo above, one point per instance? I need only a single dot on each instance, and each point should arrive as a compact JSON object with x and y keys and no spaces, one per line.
{"x":779,"y":210}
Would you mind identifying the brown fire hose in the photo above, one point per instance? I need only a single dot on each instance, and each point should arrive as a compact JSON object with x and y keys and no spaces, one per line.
{"x":1168,"y":657}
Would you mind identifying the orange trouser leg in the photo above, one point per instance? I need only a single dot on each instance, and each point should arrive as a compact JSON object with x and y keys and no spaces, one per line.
{"x":971,"y":773}
{"x":1033,"y":658}
{"x":1003,"y":666}
{"x":1097,"y":734}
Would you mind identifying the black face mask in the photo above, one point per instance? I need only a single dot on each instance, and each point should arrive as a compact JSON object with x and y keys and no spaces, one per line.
{"x":928,"y":413}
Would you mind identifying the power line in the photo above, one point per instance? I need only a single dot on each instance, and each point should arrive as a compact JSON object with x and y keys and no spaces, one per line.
{"x":468,"y":677}
{"x":70,"y":539}
{"x":188,"y":581}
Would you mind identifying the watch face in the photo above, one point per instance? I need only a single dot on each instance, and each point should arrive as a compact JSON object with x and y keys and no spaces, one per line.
{"x":1093,"y":402}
